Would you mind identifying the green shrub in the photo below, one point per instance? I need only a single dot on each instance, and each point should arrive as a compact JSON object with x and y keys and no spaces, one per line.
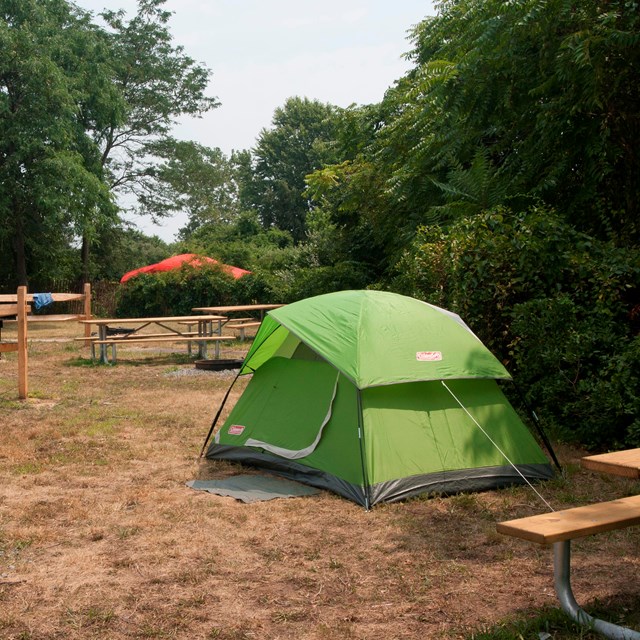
{"x":556,"y":306}
{"x":580,"y":370}
{"x":306,"y":282}
{"x":175,"y":293}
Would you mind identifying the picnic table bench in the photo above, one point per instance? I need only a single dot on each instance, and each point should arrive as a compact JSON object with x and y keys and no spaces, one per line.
{"x":620,"y":463}
{"x":242,"y":326}
{"x":558,"y":528}
{"x":120,"y":335}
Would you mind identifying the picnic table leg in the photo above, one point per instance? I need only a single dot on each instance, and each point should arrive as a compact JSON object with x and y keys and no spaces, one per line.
{"x":562,"y":581}
{"x":202,"y":345}
{"x":102,"y":334}
{"x":190,"y":344}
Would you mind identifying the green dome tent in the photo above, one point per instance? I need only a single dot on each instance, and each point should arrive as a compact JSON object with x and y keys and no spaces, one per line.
{"x":377,"y":397}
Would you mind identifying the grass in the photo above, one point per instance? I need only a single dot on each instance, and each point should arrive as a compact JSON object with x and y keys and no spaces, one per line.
{"x":100,"y":538}
{"x":552,"y":622}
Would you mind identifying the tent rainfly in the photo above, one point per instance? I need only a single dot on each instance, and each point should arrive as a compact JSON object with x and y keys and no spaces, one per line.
{"x":376,"y":397}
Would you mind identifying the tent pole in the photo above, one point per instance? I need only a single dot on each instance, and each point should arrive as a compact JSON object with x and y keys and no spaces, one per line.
{"x":215,"y":420}
{"x":363,"y":457}
{"x":541,"y":431}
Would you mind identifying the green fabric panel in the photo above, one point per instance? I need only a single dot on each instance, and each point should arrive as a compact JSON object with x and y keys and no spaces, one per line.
{"x":285,"y":403}
{"x":419,"y":428}
{"x":379,"y":338}
{"x":339,"y":450}
{"x":267,"y":341}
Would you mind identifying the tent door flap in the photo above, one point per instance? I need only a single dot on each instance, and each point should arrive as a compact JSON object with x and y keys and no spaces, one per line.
{"x":291,"y":454}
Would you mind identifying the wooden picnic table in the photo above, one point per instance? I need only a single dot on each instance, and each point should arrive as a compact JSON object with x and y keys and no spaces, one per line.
{"x":204,"y":322}
{"x":621,"y":463}
{"x":559,"y":528}
{"x":225,"y":309}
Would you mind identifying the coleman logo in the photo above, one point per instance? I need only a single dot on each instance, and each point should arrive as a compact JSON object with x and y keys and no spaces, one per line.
{"x":235,"y":429}
{"x":429,"y":356}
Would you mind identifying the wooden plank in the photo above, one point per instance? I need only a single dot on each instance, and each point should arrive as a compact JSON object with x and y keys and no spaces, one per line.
{"x":127,"y":337}
{"x":67,"y":297}
{"x":239,"y":307}
{"x":242,"y":325}
{"x":116,"y":321}
{"x":568,"y":524}
{"x":87,"y":310}
{"x":8,"y":347}
{"x":56,"y":318}
{"x":123,"y":341}
{"x":56,"y":297}
{"x":622,"y":463}
{"x":8,"y":310}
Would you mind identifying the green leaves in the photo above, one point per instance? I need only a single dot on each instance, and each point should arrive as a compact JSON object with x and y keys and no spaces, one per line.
{"x":557,"y":306}
{"x":47,"y":184}
{"x":83,"y":110}
{"x":543,"y":91}
{"x":299,"y":142}
{"x":157,"y":82}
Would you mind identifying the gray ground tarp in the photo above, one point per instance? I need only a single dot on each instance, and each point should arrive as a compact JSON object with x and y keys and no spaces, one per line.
{"x":253,"y":488}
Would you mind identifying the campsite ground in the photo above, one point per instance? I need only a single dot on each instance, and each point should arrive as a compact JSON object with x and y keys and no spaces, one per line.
{"x":100,"y":537}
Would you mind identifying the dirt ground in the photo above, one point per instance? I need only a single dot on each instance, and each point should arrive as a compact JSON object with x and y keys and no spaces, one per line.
{"x":101,"y":538}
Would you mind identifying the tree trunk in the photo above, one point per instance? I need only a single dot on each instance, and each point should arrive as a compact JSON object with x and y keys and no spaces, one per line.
{"x":85,"y":258}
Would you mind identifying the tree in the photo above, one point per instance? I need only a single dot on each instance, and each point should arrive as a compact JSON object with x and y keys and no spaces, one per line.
{"x":352,"y":217}
{"x":558,"y":307}
{"x":299,"y":142}
{"x":48,"y":186}
{"x":158,"y":83}
{"x":82,"y":110}
{"x":546,"y":91}
{"x":193,"y":178}
{"x":127,"y":249}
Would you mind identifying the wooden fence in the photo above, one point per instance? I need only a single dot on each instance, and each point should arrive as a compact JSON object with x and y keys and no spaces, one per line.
{"x":17,"y":306}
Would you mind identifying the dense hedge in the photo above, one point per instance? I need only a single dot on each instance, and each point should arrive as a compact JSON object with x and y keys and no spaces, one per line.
{"x":561,"y":309}
{"x":174,"y":293}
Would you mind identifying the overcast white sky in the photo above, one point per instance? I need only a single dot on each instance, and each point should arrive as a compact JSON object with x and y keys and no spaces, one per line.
{"x":262,"y":52}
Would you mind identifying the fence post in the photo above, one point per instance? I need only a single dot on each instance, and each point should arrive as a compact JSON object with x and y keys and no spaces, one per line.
{"x":23,"y":373}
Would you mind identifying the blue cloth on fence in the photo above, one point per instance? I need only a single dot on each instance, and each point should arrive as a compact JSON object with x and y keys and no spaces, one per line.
{"x":42,"y":300}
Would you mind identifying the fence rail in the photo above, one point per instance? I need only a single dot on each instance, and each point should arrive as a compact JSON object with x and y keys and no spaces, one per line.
{"x":104,"y":296}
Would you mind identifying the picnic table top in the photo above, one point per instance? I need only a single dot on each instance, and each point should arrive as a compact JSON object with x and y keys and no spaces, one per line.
{"x":108,"y":321}
{"x":239,"y":307}
{"x":622,"y":463}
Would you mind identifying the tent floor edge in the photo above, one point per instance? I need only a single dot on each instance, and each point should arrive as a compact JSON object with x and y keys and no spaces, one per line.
{"x":288,"y":469}
{"x":438,"y":483}
{"x":445,"y":483}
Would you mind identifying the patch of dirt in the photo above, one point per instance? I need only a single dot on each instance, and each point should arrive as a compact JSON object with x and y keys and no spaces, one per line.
{"x":100,"y":537}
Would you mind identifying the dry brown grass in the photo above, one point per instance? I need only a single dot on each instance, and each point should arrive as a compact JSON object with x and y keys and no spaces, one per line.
{"x":100,"y":538}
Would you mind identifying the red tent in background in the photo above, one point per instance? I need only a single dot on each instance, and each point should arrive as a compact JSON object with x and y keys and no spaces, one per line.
{"x":175,"y":262}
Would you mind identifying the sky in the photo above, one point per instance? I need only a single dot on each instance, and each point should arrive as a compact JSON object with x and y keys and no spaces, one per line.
{"x":261,"y":52}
